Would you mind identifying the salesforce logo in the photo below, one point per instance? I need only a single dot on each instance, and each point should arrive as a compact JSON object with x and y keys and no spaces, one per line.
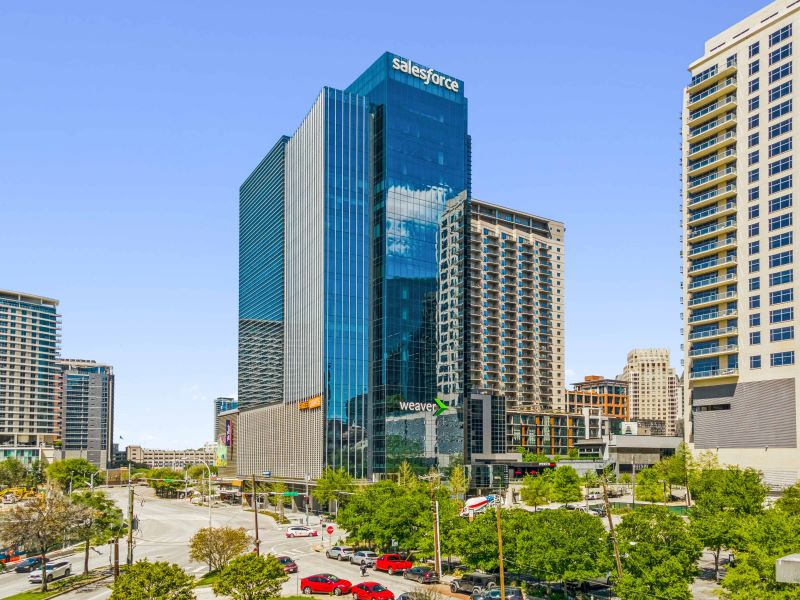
{"x":426,"y":75}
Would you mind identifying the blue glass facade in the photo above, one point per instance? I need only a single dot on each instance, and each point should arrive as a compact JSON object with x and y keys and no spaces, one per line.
{"x":261,"y":272}
{"x":421,"y":159}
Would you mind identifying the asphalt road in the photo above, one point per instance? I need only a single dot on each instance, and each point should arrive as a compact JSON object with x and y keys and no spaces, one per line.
{"x":165,"y":527}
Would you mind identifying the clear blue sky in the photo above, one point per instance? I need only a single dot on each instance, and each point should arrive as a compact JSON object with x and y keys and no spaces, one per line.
{"x":125,"y":131}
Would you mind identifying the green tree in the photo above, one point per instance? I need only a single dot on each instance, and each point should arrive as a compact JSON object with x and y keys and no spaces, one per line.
{"x":450,"y":526}
{"x":458,"y":480}
{"x":476,"y":542}
{"x":535,"y":490}
{"x":165,"y":481}
{"x":36,"y":475}
{"x":722,"y":497}
{"x":331,"y":485}
{"x":764,"y":538}
{"x":649,"y":486}
{"x":563,"y":545}
{"x":153,"y":581}
{"x":790,"y":501}
{"x":625,"y":478}
{"x":566,"y":485}
{"x":278,"y":499}
{"x":675,"y":469}
{"x":103,"y":519}
{"x":659,"y":555}
{"x":217,"y":546}
{"x":77,"y":470}
{"x":200,"y":471}
{"x":41,"y":524}
{"x":12,"y":473}
{"x":251,"y":577}
{"x":406,"y":477}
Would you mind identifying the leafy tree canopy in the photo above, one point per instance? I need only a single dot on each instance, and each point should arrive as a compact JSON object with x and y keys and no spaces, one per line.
{"x":217,"y":546}
{"x":251,"y":577}
{"x":331,"y":485}
{"x":566,"y":485}
{"x":535,"y":490}
{"x":153,"y":581}
{"x":78,"y":470}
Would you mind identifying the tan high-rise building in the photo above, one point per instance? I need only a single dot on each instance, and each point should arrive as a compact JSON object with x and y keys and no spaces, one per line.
{"x":501,"y":306}
{"x":653,"y":388}
{"x":739,"y":246}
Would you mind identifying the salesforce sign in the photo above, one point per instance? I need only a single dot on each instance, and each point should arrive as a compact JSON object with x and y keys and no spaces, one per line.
{"x":428,"y":76}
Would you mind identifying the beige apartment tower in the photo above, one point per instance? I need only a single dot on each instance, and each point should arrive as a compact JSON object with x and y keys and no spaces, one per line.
{"x":501,"y":306}
{"x":653,"y":389}
{"x":738,"y":245}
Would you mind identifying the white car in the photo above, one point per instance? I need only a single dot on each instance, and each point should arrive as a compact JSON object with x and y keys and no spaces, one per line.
{"x":300,"y":531}
{"x":54,"y":570}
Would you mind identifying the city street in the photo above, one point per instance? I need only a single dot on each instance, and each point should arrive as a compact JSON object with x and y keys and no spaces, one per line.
{"x":165,"y":527}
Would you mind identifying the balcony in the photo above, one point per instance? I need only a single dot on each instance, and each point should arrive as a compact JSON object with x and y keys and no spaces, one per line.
{"x":714,"y":373}
{"x":710,"y":78}
{"x":713,"y":229}
{"x":714,"y":195}
{"x":712,"y":212}
{"x":700,"y":183}
{"x":714,"y":350}
{"x":712,"y":161}
{"x":711,"y":265}
{"x":712,"y":282}
{"x":714,"y":333}
{"x":711,"y":145}
{"x":712,"y":247}
{"x":715,"y":316}
{"x":715,"y":299}
{"x":712,"y":127}
{"x":715,"y":91}
{"x":712,"y":110}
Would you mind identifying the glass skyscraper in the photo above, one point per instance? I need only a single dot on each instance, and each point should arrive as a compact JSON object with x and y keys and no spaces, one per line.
{"x":261,"y":272}
{"x":365,"y":181}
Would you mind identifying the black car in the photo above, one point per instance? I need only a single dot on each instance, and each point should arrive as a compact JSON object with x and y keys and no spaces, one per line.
{"x":493,"y":593}
{"x":421,"y":574}
{"x":29,"y":564}
{"x":474,"y":582}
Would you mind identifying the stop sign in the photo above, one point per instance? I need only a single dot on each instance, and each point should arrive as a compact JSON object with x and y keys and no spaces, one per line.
{"x":329,"y":529}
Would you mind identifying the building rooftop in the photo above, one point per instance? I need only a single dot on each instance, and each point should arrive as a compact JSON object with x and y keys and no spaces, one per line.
{"x":31,"y":298}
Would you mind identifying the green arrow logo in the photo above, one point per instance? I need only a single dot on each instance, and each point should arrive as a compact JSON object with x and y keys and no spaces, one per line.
{"x":442,"y":407}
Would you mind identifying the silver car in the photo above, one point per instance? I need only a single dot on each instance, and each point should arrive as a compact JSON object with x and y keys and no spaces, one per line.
{"x":363,"y":557}
{"x":339,"y":552}
{"x":54,"y":570}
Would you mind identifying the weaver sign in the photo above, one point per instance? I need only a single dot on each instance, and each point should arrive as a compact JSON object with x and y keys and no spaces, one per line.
{"x":437,"y":405}
{"x":313,"y":402}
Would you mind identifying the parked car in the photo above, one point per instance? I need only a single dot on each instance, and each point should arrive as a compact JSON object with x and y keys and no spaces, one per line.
{"x":594,"y":496}
{"x":616,"y":493}
{"x":392,"y":563}
{"x":370,"y":590}
{"x":289,"y":566}
{"x":54,"y":570}
{"x":300,"y":531}
{"x":29,"y":564}
{"x":325,"y":583}
{"x":493,"y":593}
{"x":598,"y":510}
{"x":473,"y":582}
{"x":364,"y":557}
{"x":421,"y":574}
{"x":339,"y":552}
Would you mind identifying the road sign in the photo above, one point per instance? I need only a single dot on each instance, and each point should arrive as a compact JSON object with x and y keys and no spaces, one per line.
{"x":290,"y":494}
{"x":267,"y":473}
{"x":329,"y":529}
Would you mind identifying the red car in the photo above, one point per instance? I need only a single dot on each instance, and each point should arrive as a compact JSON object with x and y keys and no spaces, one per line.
{"x":289,"y":566}
{"x":369,"y":590}
{"x":392,"y":563}
{"x":325,"y":583}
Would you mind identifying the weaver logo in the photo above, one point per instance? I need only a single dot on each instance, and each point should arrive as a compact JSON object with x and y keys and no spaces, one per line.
{"x":437,"y":405}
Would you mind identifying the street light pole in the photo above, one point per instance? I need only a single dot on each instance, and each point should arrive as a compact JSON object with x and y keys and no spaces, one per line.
{"x":71,"y":473}
{"x":209,"y":492}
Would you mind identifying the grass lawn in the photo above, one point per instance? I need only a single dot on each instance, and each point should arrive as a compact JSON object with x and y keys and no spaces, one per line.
{"x":207,"y":579}
{"x":31,"y":595}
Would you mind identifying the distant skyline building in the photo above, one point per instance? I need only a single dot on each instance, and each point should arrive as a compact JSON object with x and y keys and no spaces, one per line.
{"x":608,"y":396}
{"x":501,"y":306}
{"x":86,"y":391}
{"x":739,"y":247}
{"x":653,"y":389}
{"x":29,"y":346}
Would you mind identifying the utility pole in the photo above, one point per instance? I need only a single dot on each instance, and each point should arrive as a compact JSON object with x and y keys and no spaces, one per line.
{"x":91,"y":481}
{"x":437,"y":546}
{"x":611,"y":527}
{"x":130,"y":523}
{"x":255,"y":515}
{"x":500,"y":554}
